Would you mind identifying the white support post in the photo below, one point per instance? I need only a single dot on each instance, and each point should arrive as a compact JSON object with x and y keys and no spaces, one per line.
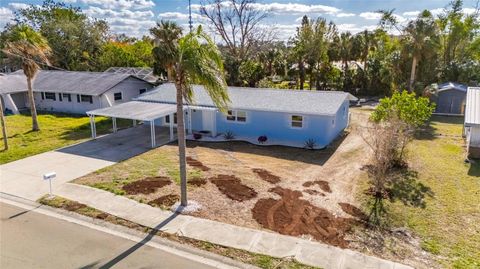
{"x":134,"y":123}
{"x":171,"y":126}
{"x":93,"y":128}
{"x":189,"y":113}
{"x":214,"y":131}
{"x":152,"y":133}
{"x":114,"y":123}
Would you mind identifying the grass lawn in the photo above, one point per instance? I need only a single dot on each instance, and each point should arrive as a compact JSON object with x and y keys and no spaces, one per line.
{"x":56,"y":130}
{"x":449,"y":224}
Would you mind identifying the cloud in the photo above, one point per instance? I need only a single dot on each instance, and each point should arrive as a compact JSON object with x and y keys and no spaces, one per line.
{"x":6,"y":16}
{"x":411,"y":13}
{"x":287,"y":8}
{"x":121,"y":4}
{"x":179,"y":16}
{"x":341,"y":15}
{"x":18,"y":5}
{"x":124,"y":13}
{"x":354,"y":28}
{"x":371,"y":15}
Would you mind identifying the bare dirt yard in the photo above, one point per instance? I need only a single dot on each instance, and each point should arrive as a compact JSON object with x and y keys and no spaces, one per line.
{"x":315,"y":194}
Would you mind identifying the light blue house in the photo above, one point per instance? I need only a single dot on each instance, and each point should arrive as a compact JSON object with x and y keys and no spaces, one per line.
{"x":285,"y":117}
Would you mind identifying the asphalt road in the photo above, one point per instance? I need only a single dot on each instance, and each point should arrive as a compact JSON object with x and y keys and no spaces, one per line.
{"x":32,"y":240}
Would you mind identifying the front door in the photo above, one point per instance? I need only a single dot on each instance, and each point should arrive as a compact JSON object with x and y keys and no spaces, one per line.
{"x":208,"y":121}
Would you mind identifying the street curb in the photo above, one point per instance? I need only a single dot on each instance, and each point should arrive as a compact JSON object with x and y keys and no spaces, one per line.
{"x":157,"y":242}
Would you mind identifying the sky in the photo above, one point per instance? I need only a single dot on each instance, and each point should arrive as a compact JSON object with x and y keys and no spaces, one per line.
{"x":135,"y":17}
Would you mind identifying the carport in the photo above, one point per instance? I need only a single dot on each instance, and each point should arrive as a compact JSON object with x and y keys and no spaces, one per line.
{"x":136,"y":111}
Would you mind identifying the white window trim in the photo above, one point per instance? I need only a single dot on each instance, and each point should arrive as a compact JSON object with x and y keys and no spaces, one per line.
{"x":290,"y":121}
{"x":234,"y":114}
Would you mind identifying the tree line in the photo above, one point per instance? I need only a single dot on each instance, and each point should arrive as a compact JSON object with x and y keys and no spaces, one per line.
{"x":427,"y":49}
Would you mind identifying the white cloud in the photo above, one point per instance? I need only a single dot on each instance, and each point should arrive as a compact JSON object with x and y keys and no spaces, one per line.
{"x":341,"y":15}
{"x":121,"y":4}
{"x":371,"y":15}
{"x":288,"y":8}
{"x":18,"y":5}
{"x":124,"y":13}
{"x":6,"y":16}
{"x":179,"y":16}
{"x":411,"y":13}
{"x":353,"y":28}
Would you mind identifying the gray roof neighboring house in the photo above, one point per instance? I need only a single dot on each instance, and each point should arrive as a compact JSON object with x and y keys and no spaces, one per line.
{"x":289,"y":101}
{"x":472,"y":108}
{"x":77,"y":82}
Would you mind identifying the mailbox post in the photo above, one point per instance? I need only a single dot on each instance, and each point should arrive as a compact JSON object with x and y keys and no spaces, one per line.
{"x":49,"y":177}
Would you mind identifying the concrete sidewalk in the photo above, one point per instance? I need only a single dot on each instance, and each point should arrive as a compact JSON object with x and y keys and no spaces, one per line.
{"x":263,"y":242}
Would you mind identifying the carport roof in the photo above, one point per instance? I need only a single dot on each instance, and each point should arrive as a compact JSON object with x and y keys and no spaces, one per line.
{"x":135,"y":110}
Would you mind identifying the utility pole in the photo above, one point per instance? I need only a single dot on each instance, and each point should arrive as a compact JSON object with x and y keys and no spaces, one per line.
{"x":190,"y":15}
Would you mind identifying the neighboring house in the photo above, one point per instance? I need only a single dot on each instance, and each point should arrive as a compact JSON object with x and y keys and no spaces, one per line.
{"x":285,"y":117}
{"x":71,"y":92}
{"x":449,"y":98}
{"x":472,"y":122}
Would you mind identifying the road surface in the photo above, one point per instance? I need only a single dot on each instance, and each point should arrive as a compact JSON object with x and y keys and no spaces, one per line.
{"x":32,"y":240}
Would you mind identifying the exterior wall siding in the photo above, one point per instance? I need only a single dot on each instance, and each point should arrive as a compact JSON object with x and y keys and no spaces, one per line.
{"x":473,"y":139}
{"x":65,"y":106}
{"x":130,"y":88}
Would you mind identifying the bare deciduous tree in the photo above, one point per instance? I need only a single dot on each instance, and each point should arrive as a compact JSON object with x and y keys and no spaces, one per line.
{"x":238,"y":23}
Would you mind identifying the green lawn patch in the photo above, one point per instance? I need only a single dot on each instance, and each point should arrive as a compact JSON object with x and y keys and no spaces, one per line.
{"x":56,"y":130}
{"x":449,"y":222}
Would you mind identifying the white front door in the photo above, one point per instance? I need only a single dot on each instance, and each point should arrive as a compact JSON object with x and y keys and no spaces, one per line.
{"x":208,"y":121}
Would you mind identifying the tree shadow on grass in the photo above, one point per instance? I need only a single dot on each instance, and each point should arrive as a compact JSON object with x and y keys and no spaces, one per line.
{"x":408,"y":190}
{"x":474,"y":169}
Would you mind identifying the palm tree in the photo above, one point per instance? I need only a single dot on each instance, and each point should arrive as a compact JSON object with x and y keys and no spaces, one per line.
{"x":191,"y":59}
{"x":31,"y":48}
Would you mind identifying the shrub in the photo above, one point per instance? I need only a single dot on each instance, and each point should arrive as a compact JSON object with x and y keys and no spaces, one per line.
{"x":310,"y":143}
{"x":229,"y":135}
{"x":262,"y":139}
{"x":197,"y":136}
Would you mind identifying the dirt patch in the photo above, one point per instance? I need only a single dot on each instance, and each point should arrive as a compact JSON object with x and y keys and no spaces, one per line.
{"x":353,"y":211}
{"x":197,"y":182}
{"x":314,"y":192}
{"x":266,"y":175}
{"x":101,"y":216}
{"x":146,"y":185}
{"x":73,"y":206}
{"x":233,"y":188}
{"x":293,"y":216}
{"x":321,"y":183}
{"x":166,"y":200}
{"x":197,"y":164}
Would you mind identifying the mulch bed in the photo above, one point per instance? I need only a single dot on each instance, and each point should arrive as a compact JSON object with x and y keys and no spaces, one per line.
{"x":197,"y":164}
{"x":291,"y":215}
{"x":166,"y":200}
{"x":233,"y":188}
{"x":146,"y":185}
{"x":266,"y":175}
{"x":197,"y":182}
{"x":321,"y":183}
{"x":353,"y":211}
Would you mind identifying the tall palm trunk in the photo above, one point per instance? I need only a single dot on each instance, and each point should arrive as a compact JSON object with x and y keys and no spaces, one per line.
{"x":33,"y":109}
{"x":412,"y":74}
{"x":181,"y":144}
{"x":4,"y":127}
{"x":301,"y":68}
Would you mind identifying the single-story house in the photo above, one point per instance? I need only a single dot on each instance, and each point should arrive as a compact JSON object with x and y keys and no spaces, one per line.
{"x":283,"y":117}
{"x":449,"y":98}
{"x":472,"y":122}
{"x":69,"y":91}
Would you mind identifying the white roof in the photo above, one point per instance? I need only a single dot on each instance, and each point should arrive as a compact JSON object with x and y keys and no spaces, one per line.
{"x":289,"y":101}
{"x":472,"y":109}
{"x":135,"y":110}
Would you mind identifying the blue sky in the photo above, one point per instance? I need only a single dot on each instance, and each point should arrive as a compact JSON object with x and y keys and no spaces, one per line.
{"x":135,"y":17}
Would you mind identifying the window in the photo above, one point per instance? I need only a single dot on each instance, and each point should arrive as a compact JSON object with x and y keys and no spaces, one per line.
{"x":237,"y":115}
{"x":67,"y":96}
{"x":60,"y":97}
{"x":86,"y":98}
{"x":167,"y":118}
{"x":117,"y":96}
{"x":78,"y":98}
{"x":43,"y":95}
{"x":296,"y":121}
{"x":50,"y":96}
{"x":333,"y":122}
{"x":142,"y":91}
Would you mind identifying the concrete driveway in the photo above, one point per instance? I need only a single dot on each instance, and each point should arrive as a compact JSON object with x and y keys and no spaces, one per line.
{"x":23,"y":178}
